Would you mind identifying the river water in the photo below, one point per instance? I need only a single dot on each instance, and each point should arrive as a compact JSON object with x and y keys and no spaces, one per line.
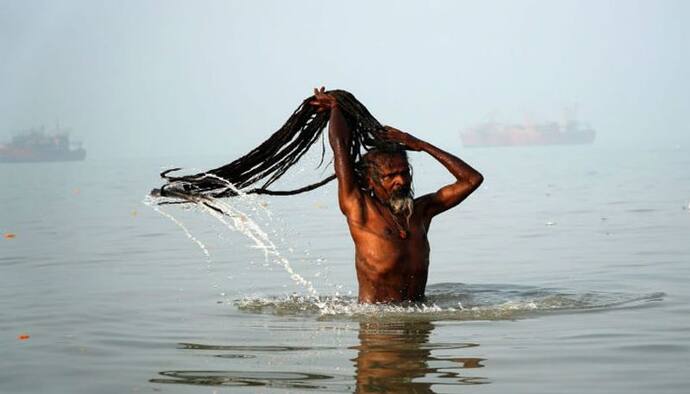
{"x":565,"y":272}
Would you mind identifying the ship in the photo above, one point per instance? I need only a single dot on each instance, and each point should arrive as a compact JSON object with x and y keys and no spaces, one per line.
{"x":35,"y":145}
{"x":492,"y":133}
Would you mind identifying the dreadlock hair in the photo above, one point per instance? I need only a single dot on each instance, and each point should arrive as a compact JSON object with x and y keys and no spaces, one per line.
{"x":254,"y":172}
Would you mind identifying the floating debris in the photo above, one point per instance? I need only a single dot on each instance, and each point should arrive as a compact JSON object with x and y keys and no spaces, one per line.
{"x":9,"y":235}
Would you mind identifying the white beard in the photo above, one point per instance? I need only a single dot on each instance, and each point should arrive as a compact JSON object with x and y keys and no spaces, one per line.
{"x":402,"y":204}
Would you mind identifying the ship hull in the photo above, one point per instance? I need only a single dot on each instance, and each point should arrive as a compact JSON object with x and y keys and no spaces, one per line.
{"x":31,"y":156}
{"x":475,"y":139}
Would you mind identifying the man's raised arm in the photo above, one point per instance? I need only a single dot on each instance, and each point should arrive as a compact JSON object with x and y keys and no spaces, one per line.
{"x":467,"y":179}
{"x":340,"y":138}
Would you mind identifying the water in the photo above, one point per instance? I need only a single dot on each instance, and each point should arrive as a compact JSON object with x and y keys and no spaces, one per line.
{"x":566,"y":272}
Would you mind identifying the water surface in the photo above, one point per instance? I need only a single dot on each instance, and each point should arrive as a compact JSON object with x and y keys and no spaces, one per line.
{"x":566,"y":272}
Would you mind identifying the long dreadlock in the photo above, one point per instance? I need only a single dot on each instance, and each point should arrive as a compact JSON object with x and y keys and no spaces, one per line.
{"x":271,"y":159}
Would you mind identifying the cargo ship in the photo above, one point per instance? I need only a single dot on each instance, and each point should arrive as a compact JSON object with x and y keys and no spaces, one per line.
{"x":493,"y":133}
{"x":35,"y":145}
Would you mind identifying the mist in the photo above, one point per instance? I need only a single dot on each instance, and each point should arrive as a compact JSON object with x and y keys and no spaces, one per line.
{"x":163,"y":78}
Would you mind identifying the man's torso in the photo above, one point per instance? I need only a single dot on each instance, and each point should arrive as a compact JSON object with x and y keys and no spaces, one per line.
{"x":392,"y":259}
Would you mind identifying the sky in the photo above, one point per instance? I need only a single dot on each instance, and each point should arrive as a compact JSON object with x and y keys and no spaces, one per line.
{"x":183,"y":78}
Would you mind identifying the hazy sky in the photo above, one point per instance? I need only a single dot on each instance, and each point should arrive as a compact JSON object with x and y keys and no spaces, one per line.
{"x":164,"y":78}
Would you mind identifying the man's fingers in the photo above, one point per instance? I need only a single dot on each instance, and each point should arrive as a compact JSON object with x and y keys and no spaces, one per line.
{"x":319,"y":105}
{"x":322,"y":100}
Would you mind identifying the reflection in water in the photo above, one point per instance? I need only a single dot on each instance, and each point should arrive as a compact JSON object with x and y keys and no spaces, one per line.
{"x":396,"y":357}
{"x":254,"y":378}
{"x":289,"y":380}
{"x":243,"y":348}
{"x":391,"y":357}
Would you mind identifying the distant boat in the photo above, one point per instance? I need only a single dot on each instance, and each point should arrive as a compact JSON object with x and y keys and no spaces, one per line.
{"x":570,"y":132}
{"x":35,"y":145}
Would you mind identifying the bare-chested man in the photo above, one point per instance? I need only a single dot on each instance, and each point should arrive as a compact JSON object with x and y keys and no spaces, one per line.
{"x":389,"y":226}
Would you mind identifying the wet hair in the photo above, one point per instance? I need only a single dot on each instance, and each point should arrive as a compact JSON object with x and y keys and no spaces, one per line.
{"x":256,"y":171}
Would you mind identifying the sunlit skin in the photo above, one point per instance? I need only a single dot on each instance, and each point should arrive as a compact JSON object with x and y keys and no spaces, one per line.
{"x":391,"y":255}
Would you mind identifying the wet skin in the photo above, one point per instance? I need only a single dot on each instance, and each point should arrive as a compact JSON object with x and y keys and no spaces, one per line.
{"x":391,"y":255}
{"x":390,"y":267}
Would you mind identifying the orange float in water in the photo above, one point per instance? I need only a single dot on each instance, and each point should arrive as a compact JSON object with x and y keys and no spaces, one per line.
{"x":23,"y":337}
{"x":9,"y":235}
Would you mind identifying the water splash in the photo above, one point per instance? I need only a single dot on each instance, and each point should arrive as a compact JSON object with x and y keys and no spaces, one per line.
{"x":452,"y":301}
{"x":235,"y":218}
{"x":148,"y":200}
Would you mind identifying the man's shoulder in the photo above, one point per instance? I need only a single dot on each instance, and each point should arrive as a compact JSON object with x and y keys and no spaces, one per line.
{"x":422,"y":208}
{"x":422,"y":202}
{"x":368,"y":209}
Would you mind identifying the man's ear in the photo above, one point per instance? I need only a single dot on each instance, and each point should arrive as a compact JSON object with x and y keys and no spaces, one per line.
{"x":371,"y":182}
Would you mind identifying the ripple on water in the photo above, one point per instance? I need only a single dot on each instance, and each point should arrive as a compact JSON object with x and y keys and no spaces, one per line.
{"x":251,"y":348}
{"x":390,"y":357}
{"x":452,"y":301}
{"x":276,"y":379}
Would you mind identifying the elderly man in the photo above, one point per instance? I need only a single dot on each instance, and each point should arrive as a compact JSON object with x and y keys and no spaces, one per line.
{"x":388,"y":225}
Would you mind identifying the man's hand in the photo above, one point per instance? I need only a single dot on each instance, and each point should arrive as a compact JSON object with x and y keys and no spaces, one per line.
{"x":409,"y":141}
{"x":323,"y":101}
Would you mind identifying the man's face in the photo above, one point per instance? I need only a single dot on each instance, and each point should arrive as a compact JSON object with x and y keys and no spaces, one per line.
{"x":393,"y":182}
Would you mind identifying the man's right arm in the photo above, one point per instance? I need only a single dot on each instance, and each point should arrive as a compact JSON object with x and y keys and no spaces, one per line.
{"x":340,"y":138}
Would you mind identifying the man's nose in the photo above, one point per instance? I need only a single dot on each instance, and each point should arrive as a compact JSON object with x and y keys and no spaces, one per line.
{"x":398,"y":181}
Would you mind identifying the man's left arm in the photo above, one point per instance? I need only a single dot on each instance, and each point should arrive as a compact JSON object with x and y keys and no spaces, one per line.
{"x":467,"y":179}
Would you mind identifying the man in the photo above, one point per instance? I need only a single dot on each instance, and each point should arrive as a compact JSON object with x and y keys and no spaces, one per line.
{"x":388,"y":226}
